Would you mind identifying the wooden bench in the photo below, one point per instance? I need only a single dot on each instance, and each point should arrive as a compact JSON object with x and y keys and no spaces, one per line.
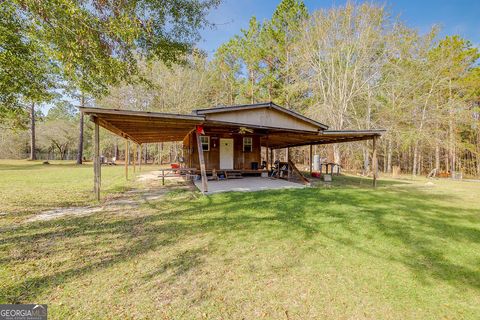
{"x":233,"y":174}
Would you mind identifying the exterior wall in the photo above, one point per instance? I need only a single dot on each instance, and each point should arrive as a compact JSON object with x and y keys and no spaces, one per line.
{"x":241,"y":160}
{"x":264,"y":117}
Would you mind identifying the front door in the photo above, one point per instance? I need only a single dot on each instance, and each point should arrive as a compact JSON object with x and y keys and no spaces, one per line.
{"x":226,"y":153}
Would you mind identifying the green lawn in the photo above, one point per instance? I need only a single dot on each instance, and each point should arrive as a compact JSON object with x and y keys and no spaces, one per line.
{"x":29,"y":186}
{"x":405,"y":250}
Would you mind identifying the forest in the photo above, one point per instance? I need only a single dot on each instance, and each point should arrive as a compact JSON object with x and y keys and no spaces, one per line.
{"x":355,"y":66}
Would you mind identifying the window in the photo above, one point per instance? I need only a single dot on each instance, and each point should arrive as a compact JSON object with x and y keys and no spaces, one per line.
{"x":247,"y":144}
{"x":205,"y":140}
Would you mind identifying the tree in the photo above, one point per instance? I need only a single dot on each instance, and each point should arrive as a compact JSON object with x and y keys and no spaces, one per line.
{"x":25,"y":69}
{"x":338,"y":57}
{"x":278,"y":37}
{"x":57,"y":131}
{"x":27,"y":75}
{"x":250,"y":52}
{"x":225,"y":70}
{"x":95,"y":44}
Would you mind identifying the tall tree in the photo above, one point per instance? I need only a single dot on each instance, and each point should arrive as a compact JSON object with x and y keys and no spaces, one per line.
{"x":338,"y":60}
{"x":97,"y":42}
{"x":225,"y":70}
{"x":251,"y":54}
{"x":279,"y":36}
{"x":80,"y":132}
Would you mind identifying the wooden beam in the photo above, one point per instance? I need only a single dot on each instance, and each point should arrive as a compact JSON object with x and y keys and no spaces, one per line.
{"x":127,"y":158}
{"x":281,"y":144}
{"x":201,"y":161}
{"x":374,"y":161}
{"x":96,"y":160}
{"x":114,"y":129}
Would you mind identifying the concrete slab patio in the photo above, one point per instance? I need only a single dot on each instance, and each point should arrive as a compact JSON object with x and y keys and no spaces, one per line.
{"x":247,"y":184}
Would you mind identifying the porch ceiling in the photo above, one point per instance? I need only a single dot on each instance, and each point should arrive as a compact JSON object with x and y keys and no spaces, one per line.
{"x":278,"y":139}
{"x":145,"y":127}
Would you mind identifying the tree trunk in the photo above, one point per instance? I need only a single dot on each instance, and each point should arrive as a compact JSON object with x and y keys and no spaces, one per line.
{"x":80,"y":134}
{"x":415,"y":159}
{"x":447,"y":162}
{"x":336,"y":153}
{"x":437,"y":157}
{"x":145,"y":155}
{"x":385,"y":158}
{"x":389,"y":156}
{"x":366,"y":160}
{"x":420,"y":163}
{"x":115,"y":151}
{"x":33,"y":155}
{"x":478,"y":153}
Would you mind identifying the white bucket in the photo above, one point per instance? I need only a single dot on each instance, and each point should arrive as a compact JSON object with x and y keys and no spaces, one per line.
{"x":316,"y":162}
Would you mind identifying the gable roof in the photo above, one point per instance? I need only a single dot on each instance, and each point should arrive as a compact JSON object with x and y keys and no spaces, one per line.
{"x":270,"y":105}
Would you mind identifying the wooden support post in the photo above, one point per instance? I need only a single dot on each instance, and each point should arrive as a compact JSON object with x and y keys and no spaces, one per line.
{"x":288,"y":164}
{"x":96,"y":160}
{"x":201,"y":161}
{"x":134,"y":157}
{"x":127,"y":158}
{"x":310,"y":158}
{"x":140,"y":158}
{"x":271,"y":159}
{"x":266,"y":154}
{"x":374,"y":161}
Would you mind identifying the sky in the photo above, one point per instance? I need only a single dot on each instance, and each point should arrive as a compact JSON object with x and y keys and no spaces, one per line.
{"x":454,"y":17}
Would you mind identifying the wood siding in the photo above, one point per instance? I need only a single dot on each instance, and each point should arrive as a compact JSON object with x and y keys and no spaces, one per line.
{"x":265,"y":117}
{"x":241,"y":160}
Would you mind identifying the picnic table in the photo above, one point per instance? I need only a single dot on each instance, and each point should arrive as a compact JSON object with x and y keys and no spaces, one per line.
{"x":332,"y":165}
{"x":173,"y":172}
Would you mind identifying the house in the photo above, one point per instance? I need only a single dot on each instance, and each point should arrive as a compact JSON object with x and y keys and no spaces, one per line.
{"x":231,"y":137}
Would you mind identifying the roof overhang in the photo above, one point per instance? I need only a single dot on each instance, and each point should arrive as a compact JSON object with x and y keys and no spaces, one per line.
{"x":151,"y":127}
{"x":145,"y":127}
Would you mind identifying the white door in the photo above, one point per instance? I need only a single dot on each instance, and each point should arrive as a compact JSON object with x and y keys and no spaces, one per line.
{"x":226,"y":153}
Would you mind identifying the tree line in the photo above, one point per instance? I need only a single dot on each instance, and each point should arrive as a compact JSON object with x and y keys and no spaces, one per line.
{"x":56,"y":49}
{"x":350,"y":67}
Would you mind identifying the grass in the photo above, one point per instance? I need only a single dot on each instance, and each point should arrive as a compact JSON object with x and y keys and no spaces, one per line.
{"x":30,"y":186}
{"x":345,"y":251}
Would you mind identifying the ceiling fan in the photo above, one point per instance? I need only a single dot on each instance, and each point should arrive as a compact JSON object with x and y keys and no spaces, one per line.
{"x":243,"y":130}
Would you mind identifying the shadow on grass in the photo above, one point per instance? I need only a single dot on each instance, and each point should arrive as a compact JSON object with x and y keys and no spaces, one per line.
{"x":37,"y":164}
{"x":401,"y":224}
{"x":355,"y":181}
{"x":29,"y":166}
